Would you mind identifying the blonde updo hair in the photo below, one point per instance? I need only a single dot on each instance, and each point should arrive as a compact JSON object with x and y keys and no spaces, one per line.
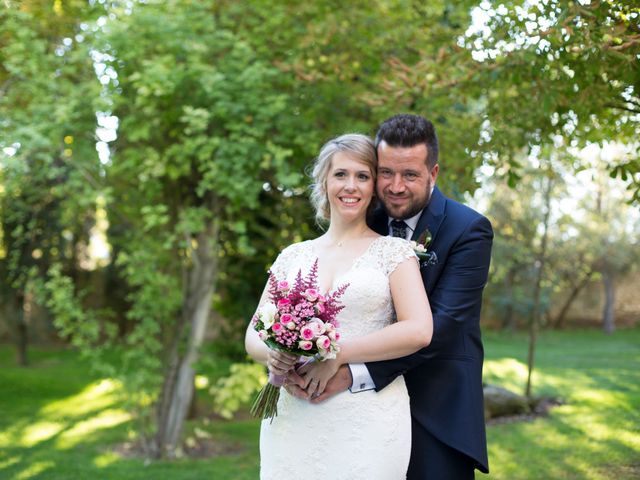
{"x":357,"y":146}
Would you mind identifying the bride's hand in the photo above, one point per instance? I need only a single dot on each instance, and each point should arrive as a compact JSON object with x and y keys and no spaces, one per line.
{"x":280,"y":363}
{"x":317,"y":374}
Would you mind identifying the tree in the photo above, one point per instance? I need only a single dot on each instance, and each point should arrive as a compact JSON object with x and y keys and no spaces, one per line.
{"x":592,"y":227}
{"x":47,"y":148}
{"x":518,"y":75}
{"x":560,"y":67}
{"x":515,"y":221}
{"x":199,"y":137}
{"x":614,"y":234}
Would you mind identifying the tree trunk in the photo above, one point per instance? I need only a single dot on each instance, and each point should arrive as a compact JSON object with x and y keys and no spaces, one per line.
{"x":179,"y":382}
{"x":560,"y":319}
{"x":509,"y":319}
{"x":608,"y":315}
{"x":22,"y":330}
{"x":535,"y":314}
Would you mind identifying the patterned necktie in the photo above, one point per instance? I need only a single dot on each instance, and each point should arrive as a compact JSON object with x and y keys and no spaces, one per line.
{"x":398,"y":229}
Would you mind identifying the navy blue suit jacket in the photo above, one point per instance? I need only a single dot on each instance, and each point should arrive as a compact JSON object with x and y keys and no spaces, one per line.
{"x":444,"y":380}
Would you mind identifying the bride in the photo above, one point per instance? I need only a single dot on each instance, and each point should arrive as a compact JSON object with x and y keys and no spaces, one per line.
{"x":386,"y":315}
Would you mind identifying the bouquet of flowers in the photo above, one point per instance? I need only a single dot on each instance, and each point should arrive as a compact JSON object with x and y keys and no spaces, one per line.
{"x":297,"y":319}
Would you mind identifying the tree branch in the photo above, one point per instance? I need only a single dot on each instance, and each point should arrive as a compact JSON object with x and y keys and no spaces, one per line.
{"x":633,"y":40}
{"x":623,"y":107}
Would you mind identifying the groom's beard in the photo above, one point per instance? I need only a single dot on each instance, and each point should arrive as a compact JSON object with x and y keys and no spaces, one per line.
{"x":409,"y":210}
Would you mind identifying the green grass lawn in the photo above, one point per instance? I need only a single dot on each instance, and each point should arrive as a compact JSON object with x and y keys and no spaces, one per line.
{"x":57,"y":421}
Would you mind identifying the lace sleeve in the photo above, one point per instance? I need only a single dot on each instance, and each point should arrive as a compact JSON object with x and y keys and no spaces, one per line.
{"x":282,"y":263}
{"x":396,"y":251}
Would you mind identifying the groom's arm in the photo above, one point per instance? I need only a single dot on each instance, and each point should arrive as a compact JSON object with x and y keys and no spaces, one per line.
{"x":455,"y":301}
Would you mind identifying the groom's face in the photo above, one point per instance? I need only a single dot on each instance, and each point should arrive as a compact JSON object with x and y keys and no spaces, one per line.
{"x":404,"y":180}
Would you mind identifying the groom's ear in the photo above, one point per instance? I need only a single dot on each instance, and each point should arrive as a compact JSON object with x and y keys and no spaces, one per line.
{"x":434,"y":173}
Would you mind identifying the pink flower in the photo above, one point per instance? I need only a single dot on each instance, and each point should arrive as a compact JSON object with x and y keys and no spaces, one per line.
{"x":305,"y":345}
{"x":311,"y":294}
{"x":263,"y":335}
{"x":323,"y":342}
{"x":284,"y":302}
{"x":286,"y":318}
{"x":283,"y":285}
{"x":320,"y":308}
{"x":307,"y":333}
{"x":276,"y":327}
{"x":318,"y":326}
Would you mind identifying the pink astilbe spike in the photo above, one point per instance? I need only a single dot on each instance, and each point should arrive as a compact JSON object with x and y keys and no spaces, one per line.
{"x":333,"y":306}
{"x":274,"y":293}
{"x":298,"y":287}
{"x":312,"y":277}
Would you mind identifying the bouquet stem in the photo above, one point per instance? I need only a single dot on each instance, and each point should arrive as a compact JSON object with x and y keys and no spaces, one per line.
{"x":266,"y":403}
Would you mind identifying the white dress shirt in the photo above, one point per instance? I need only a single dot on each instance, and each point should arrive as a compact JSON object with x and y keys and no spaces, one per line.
{"x":362,"y":380}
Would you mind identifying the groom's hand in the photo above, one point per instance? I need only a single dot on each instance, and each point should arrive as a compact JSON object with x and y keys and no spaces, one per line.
{"x":340,"y":382}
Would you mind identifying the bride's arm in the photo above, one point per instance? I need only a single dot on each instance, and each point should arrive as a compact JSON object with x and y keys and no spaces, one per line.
{"x":410,"y":333}
{"x":278,"y":362}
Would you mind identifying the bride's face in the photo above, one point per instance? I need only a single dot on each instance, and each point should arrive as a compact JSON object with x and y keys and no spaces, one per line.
{"x":350,"y":187}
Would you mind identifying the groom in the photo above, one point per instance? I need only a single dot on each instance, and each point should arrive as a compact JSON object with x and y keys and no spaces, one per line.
{"x":444,"y":380}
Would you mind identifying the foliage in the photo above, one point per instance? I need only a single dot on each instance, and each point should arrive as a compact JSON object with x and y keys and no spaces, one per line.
{"x":199,"y":138}
{"x":592,"y":228}
{"x":86,"y":332}
{"x":517,"y":219}
{"x":560,"y":67}
{"x":236,"y":390}
{"x":350,"y":66}
{"x":47,"y":146}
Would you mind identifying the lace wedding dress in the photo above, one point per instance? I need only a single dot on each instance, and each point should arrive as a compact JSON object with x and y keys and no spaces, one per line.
{"x":351,"y":436}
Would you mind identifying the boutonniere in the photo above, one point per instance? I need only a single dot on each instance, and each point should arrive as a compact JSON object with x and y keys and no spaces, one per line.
{"x":426,"y":257}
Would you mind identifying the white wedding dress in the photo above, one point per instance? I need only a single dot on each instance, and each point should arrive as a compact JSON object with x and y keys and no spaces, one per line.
{"x":351,"y":436}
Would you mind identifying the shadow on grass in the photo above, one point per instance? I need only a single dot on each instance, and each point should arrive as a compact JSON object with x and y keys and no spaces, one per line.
{"x":61,"y":423}
{"x":594,"y":435}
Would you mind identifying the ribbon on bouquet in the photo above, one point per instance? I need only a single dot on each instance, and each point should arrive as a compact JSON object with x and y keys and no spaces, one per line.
{"x":266,"y":404}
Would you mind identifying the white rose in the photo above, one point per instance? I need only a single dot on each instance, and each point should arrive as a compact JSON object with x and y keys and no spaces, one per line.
{"x":267,"y":314}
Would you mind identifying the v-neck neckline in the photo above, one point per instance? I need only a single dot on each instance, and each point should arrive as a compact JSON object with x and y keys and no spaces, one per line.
{"x":340,"y":275}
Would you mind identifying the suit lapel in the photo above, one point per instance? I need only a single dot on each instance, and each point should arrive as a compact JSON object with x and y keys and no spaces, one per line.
{"x":432,"y":216}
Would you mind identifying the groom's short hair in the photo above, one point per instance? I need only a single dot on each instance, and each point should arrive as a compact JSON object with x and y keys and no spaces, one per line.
{"x":407,"y":130}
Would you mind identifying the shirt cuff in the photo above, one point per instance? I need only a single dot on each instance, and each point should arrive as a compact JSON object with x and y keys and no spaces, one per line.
{"x":362,"y":380}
